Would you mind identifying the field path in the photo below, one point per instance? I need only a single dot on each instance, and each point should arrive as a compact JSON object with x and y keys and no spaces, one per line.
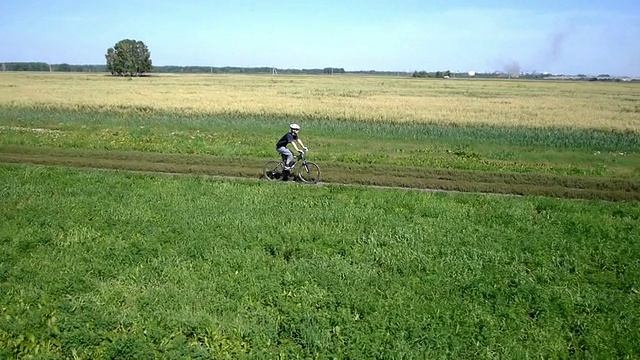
{"x":432,"y":180}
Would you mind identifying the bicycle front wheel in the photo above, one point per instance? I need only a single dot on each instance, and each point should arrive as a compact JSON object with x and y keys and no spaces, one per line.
{"x":273,"y":170}
{"x":309,"y":173}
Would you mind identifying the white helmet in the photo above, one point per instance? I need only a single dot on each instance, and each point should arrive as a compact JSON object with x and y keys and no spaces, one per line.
{"x":294,"y":127}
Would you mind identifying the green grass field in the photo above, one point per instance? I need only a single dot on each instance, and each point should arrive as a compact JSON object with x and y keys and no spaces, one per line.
{"x":592,"y":164}
{"x":116,"y":265}
{"x":115,"y":241}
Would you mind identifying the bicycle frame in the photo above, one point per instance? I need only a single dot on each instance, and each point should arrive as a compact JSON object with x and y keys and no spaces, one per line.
{"x":296,"y":162}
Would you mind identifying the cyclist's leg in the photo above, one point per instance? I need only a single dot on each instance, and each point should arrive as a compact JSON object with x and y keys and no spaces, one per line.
{"x":287,"y":155}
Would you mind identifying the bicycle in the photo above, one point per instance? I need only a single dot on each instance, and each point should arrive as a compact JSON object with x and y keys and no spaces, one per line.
{"x":306,"y":171}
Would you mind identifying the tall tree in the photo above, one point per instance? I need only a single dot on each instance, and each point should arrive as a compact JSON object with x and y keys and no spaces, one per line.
{"x":128,"y":58}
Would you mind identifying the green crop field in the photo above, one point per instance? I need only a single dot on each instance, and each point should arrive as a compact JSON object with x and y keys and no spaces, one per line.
{"x":122,"y":236}
{"x":114,"y":265}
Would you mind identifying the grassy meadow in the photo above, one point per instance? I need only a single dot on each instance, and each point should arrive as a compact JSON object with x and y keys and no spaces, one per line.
{"x":114,"y":261}
{"x":119,"y":265}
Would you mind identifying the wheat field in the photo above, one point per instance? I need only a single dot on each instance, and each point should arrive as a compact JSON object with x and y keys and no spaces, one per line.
{"x":499,"y":102}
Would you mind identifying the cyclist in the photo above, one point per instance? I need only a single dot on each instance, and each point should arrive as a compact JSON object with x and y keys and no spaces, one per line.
{"x":290,"y":138}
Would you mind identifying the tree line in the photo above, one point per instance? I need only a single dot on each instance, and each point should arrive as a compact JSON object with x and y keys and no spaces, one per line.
{"x":42,"y":66}
{"x":171,"y":69}
{"x":130,"y":57}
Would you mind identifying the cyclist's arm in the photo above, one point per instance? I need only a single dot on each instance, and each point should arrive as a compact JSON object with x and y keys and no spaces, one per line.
{"x":294,"y":146}
{"x":300,"y":142}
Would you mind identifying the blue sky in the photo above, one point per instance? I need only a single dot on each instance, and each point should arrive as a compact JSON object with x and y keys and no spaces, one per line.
{"x":564,"y":36}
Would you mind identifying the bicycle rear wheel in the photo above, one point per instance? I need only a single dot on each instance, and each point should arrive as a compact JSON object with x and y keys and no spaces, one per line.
{"x":309,"y":173}
{"x":273,"y":170}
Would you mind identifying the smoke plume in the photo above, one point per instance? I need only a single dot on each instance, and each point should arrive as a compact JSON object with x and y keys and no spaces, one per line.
{"x":512,"y":68}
